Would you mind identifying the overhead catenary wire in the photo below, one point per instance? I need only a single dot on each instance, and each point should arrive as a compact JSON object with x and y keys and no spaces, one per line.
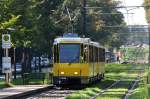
{"x":71,"y":21}
{"x":111,"y":13}
{"x":119,"y":7}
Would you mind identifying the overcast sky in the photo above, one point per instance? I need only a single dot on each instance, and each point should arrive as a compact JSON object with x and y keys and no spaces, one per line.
{"x":138,"y":18}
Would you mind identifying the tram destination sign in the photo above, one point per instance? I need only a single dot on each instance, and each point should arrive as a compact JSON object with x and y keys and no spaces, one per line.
{"x":6,"y":64}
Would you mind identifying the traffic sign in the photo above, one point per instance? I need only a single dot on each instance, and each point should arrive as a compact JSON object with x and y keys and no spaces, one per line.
{"x":6,"y":64}
{"x":6,"y":42}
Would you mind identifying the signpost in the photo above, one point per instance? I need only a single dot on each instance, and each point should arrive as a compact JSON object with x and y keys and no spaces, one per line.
{"x":6,"y":42}
{"x":6,"y":63}
{"x":6,"y":60}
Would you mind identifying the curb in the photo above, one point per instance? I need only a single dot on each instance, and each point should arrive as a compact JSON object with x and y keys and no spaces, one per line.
{"x":28,"y":93}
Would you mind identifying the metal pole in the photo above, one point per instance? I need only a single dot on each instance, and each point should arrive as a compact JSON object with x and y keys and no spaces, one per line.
{"x":84,"y":17}
{"x":6,"y":52}
{"x":149,"y":45}
{"x":7,"y":74}
{"x":14,"y":63}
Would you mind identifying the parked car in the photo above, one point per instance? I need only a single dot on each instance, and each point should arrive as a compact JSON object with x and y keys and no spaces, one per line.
{"x":44,"y":61}
{"x":113,"y":57}
{"x":18,"y":67}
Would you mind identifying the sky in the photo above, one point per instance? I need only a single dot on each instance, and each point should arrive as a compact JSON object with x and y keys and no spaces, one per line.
{"x":137,"y":15}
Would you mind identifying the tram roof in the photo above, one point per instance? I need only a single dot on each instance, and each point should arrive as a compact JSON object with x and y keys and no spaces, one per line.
{"x":76,"y":40}
{"x":71,"y":40}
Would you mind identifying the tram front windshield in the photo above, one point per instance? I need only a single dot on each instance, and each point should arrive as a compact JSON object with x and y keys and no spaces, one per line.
{"x":69,"y":53}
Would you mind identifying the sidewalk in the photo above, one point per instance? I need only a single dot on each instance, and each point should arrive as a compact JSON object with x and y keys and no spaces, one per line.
{"x":20,"y":91}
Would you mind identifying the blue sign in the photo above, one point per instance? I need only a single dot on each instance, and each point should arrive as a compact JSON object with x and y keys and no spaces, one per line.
{"x":70,"y":35}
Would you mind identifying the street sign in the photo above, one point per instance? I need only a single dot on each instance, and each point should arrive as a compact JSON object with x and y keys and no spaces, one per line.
{"x":6,"y":42}
{"x":6,"y":64}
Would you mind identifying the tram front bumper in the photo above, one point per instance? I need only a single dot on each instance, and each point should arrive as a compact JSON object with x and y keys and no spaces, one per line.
{"x":66,"y":80}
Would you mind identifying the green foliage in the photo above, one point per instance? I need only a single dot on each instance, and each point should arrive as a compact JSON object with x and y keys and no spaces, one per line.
{"x":2,"y":84}
{"x":101,"y":22}
{"x":11,"y":22}
{"x":38,"y":22}
{"x":140,"y":93}
{"x":17,"y":81}
{"x":147,"y":9}
{"x":84,"y":94}
{"x":117,"y":68}
{"x":133,"y":54}
{"x":113,"y":73}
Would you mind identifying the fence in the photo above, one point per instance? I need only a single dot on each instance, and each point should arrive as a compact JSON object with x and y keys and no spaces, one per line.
{"x":37,"y":78}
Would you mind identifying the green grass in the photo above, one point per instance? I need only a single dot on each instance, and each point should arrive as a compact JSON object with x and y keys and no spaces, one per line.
{"x":113,"y":94}
{"x":19,"y":81}
{"x":38,"y":78}
{"x":84,"y":94}
{"x":2,"y":84}
{"x":113,"y":73}
{"x":116,"y":68}
{"x":140,"y":93}
{"x":143,"y":91}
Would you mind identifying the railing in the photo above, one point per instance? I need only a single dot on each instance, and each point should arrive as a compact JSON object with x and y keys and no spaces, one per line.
{"x":37,"y":78}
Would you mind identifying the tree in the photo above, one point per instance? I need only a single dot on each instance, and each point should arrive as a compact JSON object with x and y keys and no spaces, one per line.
{"x":38,"y":22}
{"x":44,"y":28}
{"x":147,"y":10}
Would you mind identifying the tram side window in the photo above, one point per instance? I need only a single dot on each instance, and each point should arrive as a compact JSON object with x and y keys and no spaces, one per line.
{"x":56,"y":54}
{"x":102,"y":55}
{"x":95,"y":51}
{"x":86,"y":49}
{"x":96,"y":54}
{"x":82,"y":51}
{"x":91,"y":54}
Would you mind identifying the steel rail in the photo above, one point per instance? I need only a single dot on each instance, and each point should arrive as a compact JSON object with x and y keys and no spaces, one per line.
{"x":54,"y":93}
{"x":133,"y":85}
{"x":114,"y":84}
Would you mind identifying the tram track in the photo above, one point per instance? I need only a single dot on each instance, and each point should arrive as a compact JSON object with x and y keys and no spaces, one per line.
{"x":120,"y":81}
{"x":133,"y":84}
{"x":62,"y":93}
{"x":54,"y":93}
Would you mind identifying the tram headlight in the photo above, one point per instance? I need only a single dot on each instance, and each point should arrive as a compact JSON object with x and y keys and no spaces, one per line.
{"x":62,"y":73}
{"x":75,"y":73}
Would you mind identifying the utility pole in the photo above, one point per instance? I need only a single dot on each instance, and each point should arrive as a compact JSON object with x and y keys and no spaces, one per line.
{"x":149,"y":43}
{"x":84,"y":17}
{"x":7,"y":74}
{"x":14,"y":63}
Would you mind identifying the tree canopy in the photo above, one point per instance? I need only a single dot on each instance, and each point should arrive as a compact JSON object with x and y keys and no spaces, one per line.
{"x":37,"y":22}
{"x":147,"y":10}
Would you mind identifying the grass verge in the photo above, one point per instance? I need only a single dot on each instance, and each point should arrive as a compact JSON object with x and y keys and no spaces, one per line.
{"x":113,"y":73}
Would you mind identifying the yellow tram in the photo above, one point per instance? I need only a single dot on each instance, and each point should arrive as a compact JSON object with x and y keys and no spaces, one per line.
{"x":77,"y":60}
